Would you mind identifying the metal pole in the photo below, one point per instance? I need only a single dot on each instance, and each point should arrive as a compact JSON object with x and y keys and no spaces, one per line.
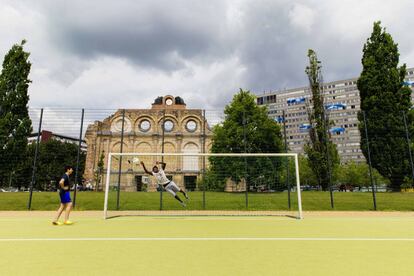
{"x":204,"y":159}
{"x":120,"y":160}
{"x":107,"y":180}
{"x":245,"y":159}
{"x":409,"y":146}
{"x":162,"y":151}
{"x":98,"y":155}
{"x":10,"y":179}
{"x":287,"y":160}
{"x":325,"y":118}
{"x":35,"y":159}
{"x":96,"y":150}
{"x":369,"y":163}
{"x":300,"y":215}
{"x":78,"y":157}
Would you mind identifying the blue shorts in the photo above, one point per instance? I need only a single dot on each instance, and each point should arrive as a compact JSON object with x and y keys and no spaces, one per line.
{"x":65,"y":197}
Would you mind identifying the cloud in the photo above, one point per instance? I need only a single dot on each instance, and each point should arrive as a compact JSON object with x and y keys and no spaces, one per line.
{"x":302,"y":17}
{"x":107,"y":54}
{"x":157,"y":34}
{"x":115,"y":83}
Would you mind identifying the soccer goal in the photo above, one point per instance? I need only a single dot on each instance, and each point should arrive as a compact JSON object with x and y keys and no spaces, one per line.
{"x":216,"y":184}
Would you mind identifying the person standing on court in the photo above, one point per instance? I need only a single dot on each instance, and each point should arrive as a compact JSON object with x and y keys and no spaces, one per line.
{"x":65,"y":200}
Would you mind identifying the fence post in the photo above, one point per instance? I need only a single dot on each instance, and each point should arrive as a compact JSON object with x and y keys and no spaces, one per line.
{"x":120,"y":160}
{"x":409,"y":145}
{"x":78,"y":157}
{"x":162,"y":151}
{"x":35,"y":159}
{"x":245,"y":159}
{"x":326,"y":118}
{"x":287,"y":160}
{"x":204,"y":158}
{"x":374,"y":198}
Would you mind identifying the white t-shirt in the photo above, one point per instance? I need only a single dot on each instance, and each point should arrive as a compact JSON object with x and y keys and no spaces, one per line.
{"x":161,"y":177}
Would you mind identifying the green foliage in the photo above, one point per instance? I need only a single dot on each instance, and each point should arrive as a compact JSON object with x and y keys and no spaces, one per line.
{"x":357,"y":174}
{"x":211,"y":182}
{"x":306,"y":174}
{"x":384,"y":99}
{"x":15,"y":124}
{"x":246,"y":128}
{"x":322,"y":154}
{"x":407,"y":184}
{"x":53,"y":156}
{"x":99,"y":170}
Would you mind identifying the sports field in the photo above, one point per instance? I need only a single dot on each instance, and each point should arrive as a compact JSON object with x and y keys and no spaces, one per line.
{"x":311,"y":201}
{"x":324,"y":243}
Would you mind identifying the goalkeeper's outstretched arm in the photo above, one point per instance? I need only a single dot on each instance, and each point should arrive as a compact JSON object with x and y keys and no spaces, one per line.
{"x":162,"y":164}
{"x":145,"y":169}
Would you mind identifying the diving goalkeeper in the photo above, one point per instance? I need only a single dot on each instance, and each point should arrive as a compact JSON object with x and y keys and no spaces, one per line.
{"x":163,"y":181}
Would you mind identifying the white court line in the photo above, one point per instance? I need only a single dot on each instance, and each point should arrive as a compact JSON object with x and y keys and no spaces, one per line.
{"x":204,"y":239}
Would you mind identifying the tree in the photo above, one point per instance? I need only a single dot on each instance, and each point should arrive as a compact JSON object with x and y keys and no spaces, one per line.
{"x":246,"y":128}
{"x":384,"y":98}
{"x":357,"y":174}
{"x":306,"y":174}
{"x":321,"y":152}
{"x":52,"y":158}
{"x":15,"y":124}
{"x":99,"y":170}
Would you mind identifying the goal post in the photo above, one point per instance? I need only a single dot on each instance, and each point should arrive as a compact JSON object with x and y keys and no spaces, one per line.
{"x":236,"y":183}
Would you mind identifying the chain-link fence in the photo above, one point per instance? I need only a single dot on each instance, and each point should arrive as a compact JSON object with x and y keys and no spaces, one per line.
{"x":83,"y":138}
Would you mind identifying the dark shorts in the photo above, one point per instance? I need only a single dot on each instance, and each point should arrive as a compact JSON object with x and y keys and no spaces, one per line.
{"x":65,"y":197}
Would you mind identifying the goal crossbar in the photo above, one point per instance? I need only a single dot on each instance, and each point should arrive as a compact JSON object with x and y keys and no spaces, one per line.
{"x":294,"y":155}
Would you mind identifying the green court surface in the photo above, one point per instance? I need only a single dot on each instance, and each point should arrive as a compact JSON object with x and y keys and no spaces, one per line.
{"x":355,"y":243}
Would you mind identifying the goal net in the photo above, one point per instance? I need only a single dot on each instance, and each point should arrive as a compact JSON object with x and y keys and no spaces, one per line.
{"x":215,"y":184}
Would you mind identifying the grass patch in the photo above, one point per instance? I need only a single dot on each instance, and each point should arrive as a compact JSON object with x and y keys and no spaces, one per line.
{"x":314,"y":200}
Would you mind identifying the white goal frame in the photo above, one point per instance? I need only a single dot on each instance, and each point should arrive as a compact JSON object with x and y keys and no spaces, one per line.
{"x":294,"y":155}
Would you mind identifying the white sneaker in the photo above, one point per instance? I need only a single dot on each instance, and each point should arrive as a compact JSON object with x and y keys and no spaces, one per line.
{"x":183,"y":204}
{"x":186,"y":196}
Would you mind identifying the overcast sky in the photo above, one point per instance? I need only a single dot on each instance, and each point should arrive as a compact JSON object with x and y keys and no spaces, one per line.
{"x":125,"y":53}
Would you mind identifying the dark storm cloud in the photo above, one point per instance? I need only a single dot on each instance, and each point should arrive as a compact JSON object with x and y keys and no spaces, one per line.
{"x":125,"y":53}
{"x":277,"y":35}
{"x":275,"y":50}
{"x":273,"y":54}
{"x":158,"y":34}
